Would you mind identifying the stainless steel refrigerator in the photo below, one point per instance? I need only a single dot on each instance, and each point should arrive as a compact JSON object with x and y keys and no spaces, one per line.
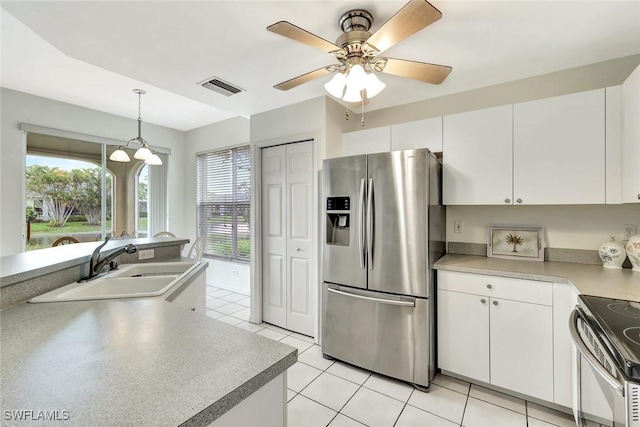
{"x":384,"y":229}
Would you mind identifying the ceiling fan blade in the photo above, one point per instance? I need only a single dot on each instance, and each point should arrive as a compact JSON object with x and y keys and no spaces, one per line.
{"x":430,"y":73}
{"x":287,"y":29}
{"x":297,"y":81}
{"x":413,"y":17}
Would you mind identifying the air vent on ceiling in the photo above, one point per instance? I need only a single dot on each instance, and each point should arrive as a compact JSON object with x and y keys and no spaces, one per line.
{"x":218,"y":85}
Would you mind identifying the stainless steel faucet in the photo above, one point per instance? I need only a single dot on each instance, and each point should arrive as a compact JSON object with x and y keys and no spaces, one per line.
{"x":96,"y":263}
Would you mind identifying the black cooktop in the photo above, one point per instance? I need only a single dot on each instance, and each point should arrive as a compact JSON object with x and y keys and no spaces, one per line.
{"x":619,"y":320}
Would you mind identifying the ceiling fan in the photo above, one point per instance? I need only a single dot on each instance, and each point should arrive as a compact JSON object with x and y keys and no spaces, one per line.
{"x":358,"y":51}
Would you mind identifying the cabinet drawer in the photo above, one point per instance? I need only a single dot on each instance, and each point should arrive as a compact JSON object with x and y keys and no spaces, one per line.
{"x":497,"y":287}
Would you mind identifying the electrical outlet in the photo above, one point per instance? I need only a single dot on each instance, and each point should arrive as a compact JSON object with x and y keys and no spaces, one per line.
{"x":146,"y":254}
{"x":629,"y":230}
{"x":457,"y":226}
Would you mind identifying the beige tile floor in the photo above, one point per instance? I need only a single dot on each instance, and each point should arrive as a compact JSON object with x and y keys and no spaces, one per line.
{"x":331,"y":393}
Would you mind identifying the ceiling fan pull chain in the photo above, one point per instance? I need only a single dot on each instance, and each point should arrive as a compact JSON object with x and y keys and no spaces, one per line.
{"x":362,"y":111}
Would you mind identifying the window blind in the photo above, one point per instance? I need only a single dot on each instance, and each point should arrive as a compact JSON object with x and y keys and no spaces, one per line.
{"x":224,"y":197}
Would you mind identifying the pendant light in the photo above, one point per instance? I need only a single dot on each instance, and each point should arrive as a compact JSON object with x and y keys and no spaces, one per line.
{"x":144,"y":152}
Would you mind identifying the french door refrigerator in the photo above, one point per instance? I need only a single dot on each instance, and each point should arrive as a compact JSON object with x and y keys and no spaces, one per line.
{"x":384,"y":229}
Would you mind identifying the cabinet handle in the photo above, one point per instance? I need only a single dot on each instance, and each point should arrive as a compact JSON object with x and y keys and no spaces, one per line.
{"x":489,"y":286}
{"x":483,"y":300}
{"x":518,"y":200}
{"x":192,"y":309}
{"x":495,"y":303}
{"x":509,"y":200}
{"x":638,"y":196}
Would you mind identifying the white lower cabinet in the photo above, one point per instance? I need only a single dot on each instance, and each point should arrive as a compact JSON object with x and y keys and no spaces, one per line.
{"x":463,"y":334}
{"x":521,"y":343}
{"x":498,"y":331}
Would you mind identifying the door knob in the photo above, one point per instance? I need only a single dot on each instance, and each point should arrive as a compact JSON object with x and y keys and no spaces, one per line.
{"x":483,"y":300}
{"x":495,"y":303}
{"x":193,"y":309}
{"x":298,"y":250}
{"x":509,"y":200}
{"x":489,"y":286}
{"x":519,"y":201}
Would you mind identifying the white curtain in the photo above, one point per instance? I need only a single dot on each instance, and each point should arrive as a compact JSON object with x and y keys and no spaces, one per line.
{"x":158,"y":196}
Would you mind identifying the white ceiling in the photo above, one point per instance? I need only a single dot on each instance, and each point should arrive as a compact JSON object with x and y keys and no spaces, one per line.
{"x":94,"y":53}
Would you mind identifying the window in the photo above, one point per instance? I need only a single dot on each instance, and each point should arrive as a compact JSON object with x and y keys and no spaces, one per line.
{"x":224,"y":197}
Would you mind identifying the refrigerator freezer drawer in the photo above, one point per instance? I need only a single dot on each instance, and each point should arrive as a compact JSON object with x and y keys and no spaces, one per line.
{"x":383,"y":333}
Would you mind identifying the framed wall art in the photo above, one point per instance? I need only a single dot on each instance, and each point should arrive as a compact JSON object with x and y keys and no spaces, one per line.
{"x":523,"y":243}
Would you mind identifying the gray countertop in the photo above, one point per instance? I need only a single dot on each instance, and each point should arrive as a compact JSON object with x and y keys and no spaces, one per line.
{"x":27,"y":265}
{"x":130,"y":362}
{"x":587,"y":279}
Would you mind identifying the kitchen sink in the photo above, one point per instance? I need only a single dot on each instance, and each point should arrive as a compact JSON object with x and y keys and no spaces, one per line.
{"x":129,"y":281}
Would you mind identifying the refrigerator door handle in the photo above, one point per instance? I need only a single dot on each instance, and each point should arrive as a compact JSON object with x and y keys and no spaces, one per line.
{"x":378,"y":300}
{"x":361,"y":203}
{"x":370,"y":216}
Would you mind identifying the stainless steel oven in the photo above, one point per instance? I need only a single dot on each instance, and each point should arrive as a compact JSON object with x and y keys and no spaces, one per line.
{"x":606,"y":335}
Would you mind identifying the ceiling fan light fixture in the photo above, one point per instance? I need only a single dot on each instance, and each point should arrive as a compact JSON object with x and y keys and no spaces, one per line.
{"x":352,"y":94}
{"x":153,"y":160}
{"x":336,"y":85}
{"x":373,"y":85}
{"x":357,"y":78}
{"x":119,"y":155}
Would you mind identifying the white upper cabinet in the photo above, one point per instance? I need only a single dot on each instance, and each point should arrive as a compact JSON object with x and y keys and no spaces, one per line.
{"x":613,"y":142}
{"x":559,"y":150}
{"x":376,"y":140}
{"x":631,"y":138}
{"x":420,"y":134}
{"x":477,"y":157}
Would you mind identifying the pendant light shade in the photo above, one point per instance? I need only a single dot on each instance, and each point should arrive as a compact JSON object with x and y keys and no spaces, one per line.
{"x":120,"y":155}
{"x":153,"y":160}
{"x":143,"y":152}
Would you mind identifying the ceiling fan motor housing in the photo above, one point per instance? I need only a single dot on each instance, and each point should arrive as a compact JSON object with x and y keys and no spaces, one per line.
{"x":355,"y":25}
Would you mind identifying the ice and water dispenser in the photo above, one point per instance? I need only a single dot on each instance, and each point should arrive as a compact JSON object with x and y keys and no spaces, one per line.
{"x":338,"y":220}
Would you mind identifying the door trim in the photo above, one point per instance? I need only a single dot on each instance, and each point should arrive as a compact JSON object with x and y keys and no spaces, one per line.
{"x":256,"y":261}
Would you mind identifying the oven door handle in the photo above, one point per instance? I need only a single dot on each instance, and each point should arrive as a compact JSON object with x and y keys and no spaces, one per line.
{"x":593,"y":362}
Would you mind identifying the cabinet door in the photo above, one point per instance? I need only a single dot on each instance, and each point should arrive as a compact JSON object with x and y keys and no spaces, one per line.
{"x":376,"y":140}
{"x":522,"y":347}
{"x":559,"y":150}
{"x":631,"y":138}
{"x":419,"y":134}
{"x":477,"y":157}
{"x":463,"y":334}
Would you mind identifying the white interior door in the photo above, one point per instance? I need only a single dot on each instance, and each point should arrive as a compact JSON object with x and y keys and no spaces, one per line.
{"x":274,"y":230}
{"x":287,"y":186}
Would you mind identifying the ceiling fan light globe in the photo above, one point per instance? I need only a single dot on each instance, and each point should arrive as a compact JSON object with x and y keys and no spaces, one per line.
{"x":357,"y":77}
{"x":143,"y":153}
{"x":374,"y":85}
{"x":352,"y":95}
{"x":119,"y":156}
{"x":153,"y":160}
{"x":336,"y":85}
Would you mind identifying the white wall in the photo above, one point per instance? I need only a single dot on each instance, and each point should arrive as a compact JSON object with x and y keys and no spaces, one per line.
{"x":233,"y":132}
{"x":18,"y":107}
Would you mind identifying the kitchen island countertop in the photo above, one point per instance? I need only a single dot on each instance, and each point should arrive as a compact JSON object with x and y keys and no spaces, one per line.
{"x":130,"y":362}
{"x":587,"y":279}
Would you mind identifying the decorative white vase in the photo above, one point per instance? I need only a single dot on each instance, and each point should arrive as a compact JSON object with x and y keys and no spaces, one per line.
{"x":612,"y":254}
{"x":633,"y":252}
